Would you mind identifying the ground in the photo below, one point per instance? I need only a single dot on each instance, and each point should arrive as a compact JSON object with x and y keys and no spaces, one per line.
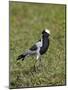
{"x":27,"y":20}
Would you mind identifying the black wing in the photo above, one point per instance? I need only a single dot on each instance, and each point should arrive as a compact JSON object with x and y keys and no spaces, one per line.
{"x":34,"y":47}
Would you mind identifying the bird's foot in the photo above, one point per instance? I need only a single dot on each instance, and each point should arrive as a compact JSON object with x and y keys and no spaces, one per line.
{"x":22,"y":59}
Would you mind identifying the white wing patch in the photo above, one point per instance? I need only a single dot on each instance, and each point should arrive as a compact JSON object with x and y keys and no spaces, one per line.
{"x":39,"y":44}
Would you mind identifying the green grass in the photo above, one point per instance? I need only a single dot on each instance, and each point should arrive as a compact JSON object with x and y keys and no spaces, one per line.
{"x":27,"y":20}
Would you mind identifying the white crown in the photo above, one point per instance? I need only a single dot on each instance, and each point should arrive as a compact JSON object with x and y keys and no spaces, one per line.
{"x":46,"y":30}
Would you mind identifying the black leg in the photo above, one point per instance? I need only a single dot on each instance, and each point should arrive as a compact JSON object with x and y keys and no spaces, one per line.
{"x":40,"y":63}
{"x":34,"y":66}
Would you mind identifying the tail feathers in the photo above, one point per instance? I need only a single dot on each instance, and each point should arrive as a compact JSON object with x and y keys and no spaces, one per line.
{"x":21,"y":57}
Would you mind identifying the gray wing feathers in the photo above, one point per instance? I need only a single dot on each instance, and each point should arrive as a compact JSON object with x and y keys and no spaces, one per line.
{"x":29,"y":52}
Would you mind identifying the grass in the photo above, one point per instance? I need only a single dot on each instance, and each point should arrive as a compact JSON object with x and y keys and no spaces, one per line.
{"x":27,"y":20}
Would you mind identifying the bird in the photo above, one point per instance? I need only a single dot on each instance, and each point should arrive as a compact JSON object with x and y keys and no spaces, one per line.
{"x":39,"y":48}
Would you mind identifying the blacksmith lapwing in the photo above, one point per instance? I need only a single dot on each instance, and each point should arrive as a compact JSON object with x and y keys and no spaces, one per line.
{"x":38,"y":48}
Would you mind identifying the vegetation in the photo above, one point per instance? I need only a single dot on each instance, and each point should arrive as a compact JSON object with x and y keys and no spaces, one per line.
{"x":27,"y":20}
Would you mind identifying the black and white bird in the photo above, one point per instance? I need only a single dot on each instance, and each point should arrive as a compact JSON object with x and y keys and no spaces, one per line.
{"x":38,"y":48}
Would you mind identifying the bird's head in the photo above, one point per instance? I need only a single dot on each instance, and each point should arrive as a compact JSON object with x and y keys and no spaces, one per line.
{"x":46,"y":32}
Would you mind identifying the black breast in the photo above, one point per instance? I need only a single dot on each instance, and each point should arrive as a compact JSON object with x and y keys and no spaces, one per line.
{"x":45,"y":46}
